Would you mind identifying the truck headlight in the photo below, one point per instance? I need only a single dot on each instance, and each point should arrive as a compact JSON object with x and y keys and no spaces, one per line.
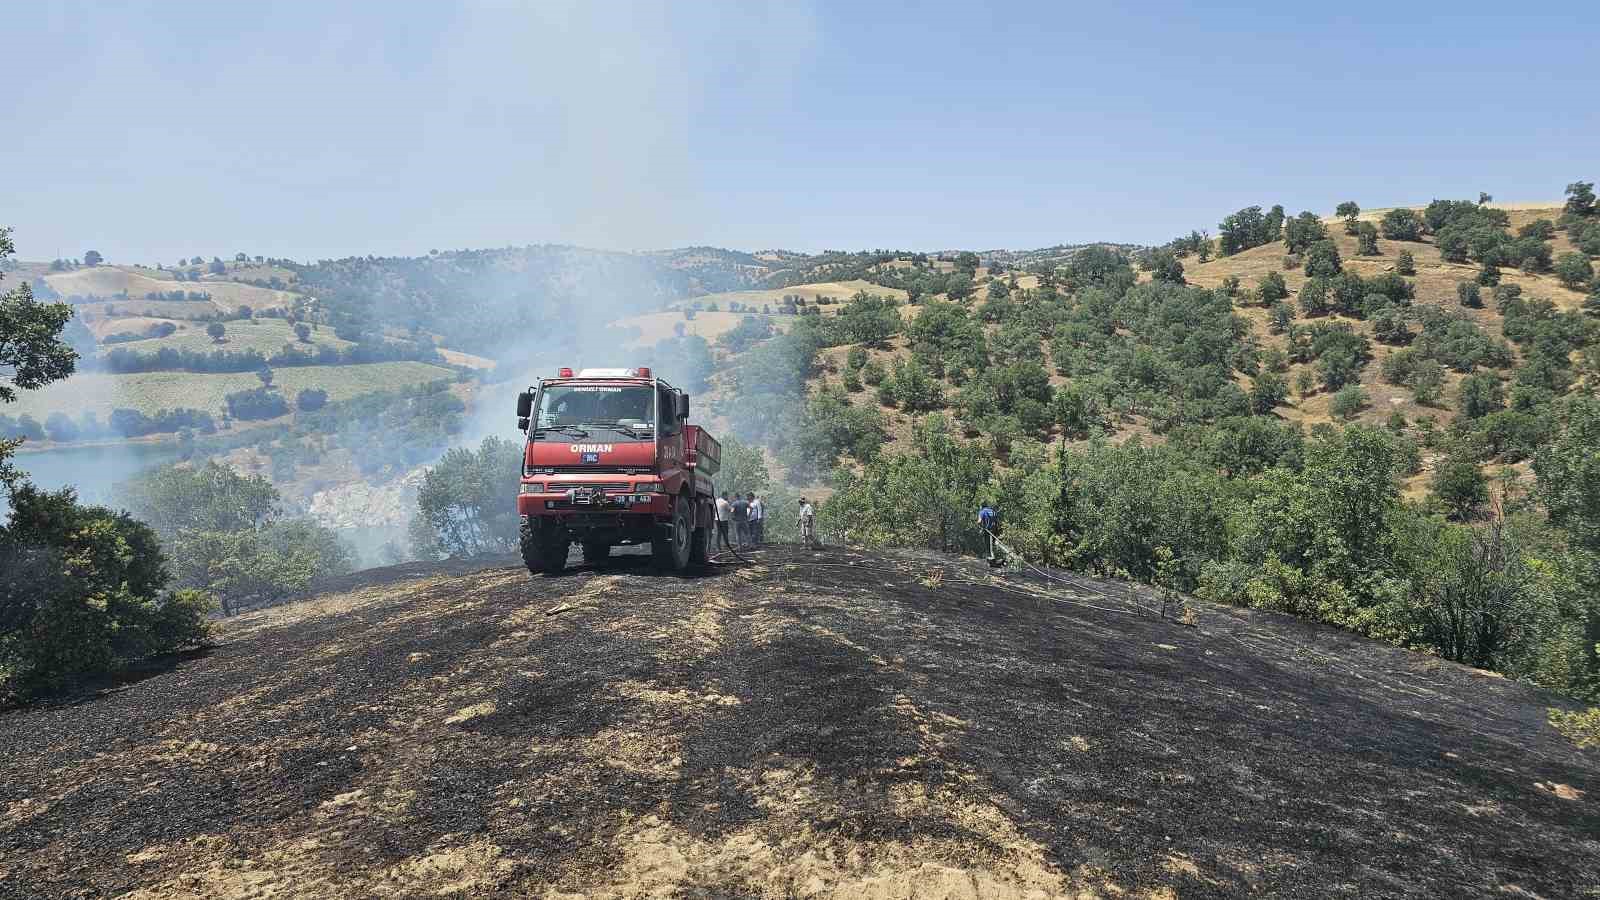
{"x":532,"y":487}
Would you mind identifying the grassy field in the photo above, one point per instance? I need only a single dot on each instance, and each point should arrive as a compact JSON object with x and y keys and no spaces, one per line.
{"x":152,"y":391}
{"x":654,"y":327}
{"x":106,"y":281}
{"x":840,"y":291}
{"x":265,"y":335}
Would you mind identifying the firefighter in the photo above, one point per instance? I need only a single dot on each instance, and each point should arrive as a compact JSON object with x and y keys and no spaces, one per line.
{"x":808,"y":523}
{"x":989,"y":521}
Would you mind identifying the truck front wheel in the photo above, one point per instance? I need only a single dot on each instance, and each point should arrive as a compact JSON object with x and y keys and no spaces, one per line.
{"x":553,"y":555}
{"x":672,"y":550}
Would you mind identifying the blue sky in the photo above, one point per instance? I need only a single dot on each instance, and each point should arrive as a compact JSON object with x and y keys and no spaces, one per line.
{"x":313,"y":130}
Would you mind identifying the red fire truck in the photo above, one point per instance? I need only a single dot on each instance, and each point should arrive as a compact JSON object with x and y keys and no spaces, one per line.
{"x":611,"y":459}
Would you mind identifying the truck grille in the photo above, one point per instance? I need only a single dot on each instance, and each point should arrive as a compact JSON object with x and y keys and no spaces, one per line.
{"x":587,"y":486}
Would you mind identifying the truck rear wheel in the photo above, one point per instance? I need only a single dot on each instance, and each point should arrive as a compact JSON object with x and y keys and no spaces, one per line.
{"x":595,"y":553}
{"x":700,"y":549}
{"x":672,"y":550}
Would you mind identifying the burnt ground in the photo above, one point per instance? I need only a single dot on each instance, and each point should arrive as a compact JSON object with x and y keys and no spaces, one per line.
{"x":830,"y":723}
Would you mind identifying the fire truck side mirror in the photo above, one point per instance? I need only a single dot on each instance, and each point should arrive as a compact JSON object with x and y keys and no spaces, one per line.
{"x":522,"y":423}
{"x":524,"y":406}
{"x":683,"y":406}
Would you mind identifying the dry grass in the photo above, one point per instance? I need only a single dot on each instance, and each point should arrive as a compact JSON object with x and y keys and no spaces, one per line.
{"x":265,"y":335}
{"x":105,"y":281}
{"x":840,"y":291}
{"x":151,"y":391}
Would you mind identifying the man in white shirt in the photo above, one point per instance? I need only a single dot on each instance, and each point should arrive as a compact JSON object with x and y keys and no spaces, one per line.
{"x":724,"y":511}
{"x":758,"y":519}
{"x":808,"y":523}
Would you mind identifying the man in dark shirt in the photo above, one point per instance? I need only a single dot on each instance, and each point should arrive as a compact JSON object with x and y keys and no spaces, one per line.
{"x":739,"y":512}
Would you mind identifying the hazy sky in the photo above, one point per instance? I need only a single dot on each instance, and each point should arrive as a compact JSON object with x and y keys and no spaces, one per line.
{"x":153,"y":131}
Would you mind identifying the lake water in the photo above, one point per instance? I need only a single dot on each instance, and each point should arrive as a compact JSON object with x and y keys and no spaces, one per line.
{"x":93,"y":470}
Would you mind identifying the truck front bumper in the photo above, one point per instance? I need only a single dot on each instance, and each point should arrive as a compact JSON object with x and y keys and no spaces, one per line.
{"x":573,"y":503}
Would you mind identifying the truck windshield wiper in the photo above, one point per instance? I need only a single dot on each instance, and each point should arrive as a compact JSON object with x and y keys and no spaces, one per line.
{"x":625,"y":429}
{"x":573,"y":430}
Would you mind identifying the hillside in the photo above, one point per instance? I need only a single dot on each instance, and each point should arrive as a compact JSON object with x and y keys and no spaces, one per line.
{"x":150,"y":392}
{"x":1435,"y":283}
{"x":835,"y":724}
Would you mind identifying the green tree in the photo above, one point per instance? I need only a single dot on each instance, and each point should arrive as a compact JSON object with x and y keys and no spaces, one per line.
{"x":1322,"y":260}
{"x":1489,"y":275}
{"x":1348,"y":402}
{"x":1580,"y":199}
{"x":32,"y":353}
{"x":1268,"y":390}
{"x":217,"y":331}
{"x":1458,"y":482}
{"x":83,"y":590}
{"x":967,"y":262}
{"x":1314,"y":298}
{"x":302,"y":332}
{"x":1302,"y":232}
{"x":1405,"y":263}
{"x":1280,"y":317}
{"x":923,"y":498}
{"x":1574,"y":270}
{"x":1480,"y":395}
{"x":92,"y":258}
{"x":462,"y":509}
{"x":1427,"y":382}
{"x":1271,"y":288}
{"x":1348,"y":211}
{"x":1469,"y":294}
{"x":1163,"y":265}
{"x":1367,"y":240}
{"x":1314,"y":542}
{"x":1402,"y":225}
{"x":1568,"y":473}
{"x":310,"y":399}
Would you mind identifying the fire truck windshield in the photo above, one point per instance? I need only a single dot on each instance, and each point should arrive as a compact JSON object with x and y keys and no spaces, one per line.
{"x":626,"y":409}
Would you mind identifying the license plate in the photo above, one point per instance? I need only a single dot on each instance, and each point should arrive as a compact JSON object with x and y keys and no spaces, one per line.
{"x":591,"y":457}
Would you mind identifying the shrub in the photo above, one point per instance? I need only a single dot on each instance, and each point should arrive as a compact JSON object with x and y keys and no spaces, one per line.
{"x":83,"y":592}
{"x":1348,"y":402}
{"x":856,"y":358}
{"x":1402,"y":225}
{"x":1469,"y":295}
{"x":1322,"y":259}
{"x":254,"y":404}
{"x":1271,"y":288}
{"x":1574,"y":270}
{"x":1366,"y":240}
{"x":311,"y":399}
{"x":1405,"y":263}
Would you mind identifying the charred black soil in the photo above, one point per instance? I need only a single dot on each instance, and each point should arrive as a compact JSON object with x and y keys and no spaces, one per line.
{"x":829,"y":723}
